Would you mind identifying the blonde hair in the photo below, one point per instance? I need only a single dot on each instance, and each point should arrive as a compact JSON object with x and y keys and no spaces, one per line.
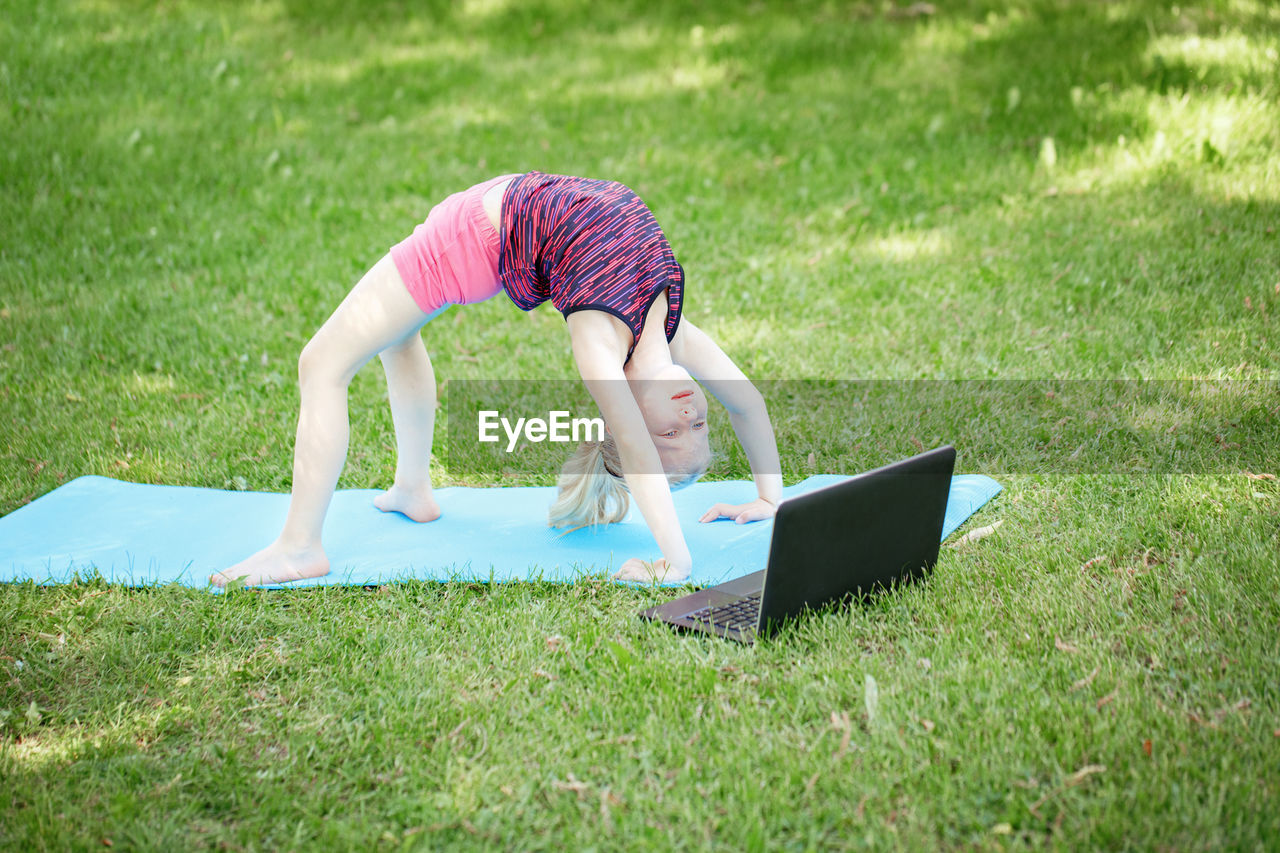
{"x":592,"y":489}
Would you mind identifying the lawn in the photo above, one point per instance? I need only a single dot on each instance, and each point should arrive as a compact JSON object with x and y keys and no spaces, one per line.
{"x":1035,"y":216}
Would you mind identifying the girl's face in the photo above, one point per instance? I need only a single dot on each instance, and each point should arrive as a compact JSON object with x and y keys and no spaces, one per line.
{"x":675,"y":413}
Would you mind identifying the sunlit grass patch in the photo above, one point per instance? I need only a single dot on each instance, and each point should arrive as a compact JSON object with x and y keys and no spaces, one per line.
{"x":910,"y":247}
{"x":1231,"y":59}
{"x":1181,"y":133}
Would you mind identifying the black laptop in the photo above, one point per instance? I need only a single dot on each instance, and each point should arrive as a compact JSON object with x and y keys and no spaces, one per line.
{"x":865,"y":534}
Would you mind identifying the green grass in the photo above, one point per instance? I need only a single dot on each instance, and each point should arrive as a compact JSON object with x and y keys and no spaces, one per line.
{"x":188,"y":188}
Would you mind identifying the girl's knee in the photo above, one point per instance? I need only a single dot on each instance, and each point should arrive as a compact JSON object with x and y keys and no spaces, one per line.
{"x":309,"y":359}
{"x":319,"y":363}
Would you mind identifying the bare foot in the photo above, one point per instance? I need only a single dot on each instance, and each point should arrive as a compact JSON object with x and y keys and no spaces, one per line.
{"x":659,"y":571}
{"x":275,"y":564}
{"x":416,"y":504}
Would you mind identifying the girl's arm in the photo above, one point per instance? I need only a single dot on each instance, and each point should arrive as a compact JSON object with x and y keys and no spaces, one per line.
{"x":600,"y":364}
{"x":707,"y":363}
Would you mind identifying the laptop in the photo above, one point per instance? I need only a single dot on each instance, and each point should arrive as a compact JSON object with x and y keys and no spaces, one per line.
{"x":865,"y":534}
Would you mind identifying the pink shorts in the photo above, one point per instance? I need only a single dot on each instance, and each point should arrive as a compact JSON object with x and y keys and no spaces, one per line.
{"x":452,"y":258}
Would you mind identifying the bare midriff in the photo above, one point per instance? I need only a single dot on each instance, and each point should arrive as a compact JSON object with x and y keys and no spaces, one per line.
{"x":493,"y":204}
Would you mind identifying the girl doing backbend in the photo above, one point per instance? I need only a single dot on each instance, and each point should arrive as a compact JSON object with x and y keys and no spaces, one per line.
{"x":595,"y":251}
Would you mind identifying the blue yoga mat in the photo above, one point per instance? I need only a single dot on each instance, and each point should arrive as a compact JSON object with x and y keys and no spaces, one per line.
{"x":140,"y":535}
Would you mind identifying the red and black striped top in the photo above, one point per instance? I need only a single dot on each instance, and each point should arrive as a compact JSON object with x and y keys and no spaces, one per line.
{"x":586,"y":245}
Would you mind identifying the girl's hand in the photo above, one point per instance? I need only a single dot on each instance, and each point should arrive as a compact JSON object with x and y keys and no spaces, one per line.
{"x":658,"y":571}
{"x":758,"y":510}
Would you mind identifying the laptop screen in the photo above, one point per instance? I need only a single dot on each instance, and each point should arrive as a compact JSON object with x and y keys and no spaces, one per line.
{"x":869,"y":532}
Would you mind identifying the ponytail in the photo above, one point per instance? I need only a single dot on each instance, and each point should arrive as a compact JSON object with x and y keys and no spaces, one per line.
{"x":591,"y":488}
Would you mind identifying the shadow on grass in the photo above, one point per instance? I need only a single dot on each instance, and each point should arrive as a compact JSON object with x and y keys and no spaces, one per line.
{"x":629,"y":89}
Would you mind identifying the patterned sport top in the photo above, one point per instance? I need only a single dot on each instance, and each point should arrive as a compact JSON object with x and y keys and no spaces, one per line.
{"x":586,"y":245}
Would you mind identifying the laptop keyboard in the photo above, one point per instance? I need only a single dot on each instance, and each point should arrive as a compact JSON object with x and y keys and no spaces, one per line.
{"x":741,"y":615}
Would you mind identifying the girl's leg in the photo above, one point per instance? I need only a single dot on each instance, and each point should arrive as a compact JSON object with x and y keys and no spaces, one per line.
{"x":377,"y":313}
{"x":411,"y":386}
